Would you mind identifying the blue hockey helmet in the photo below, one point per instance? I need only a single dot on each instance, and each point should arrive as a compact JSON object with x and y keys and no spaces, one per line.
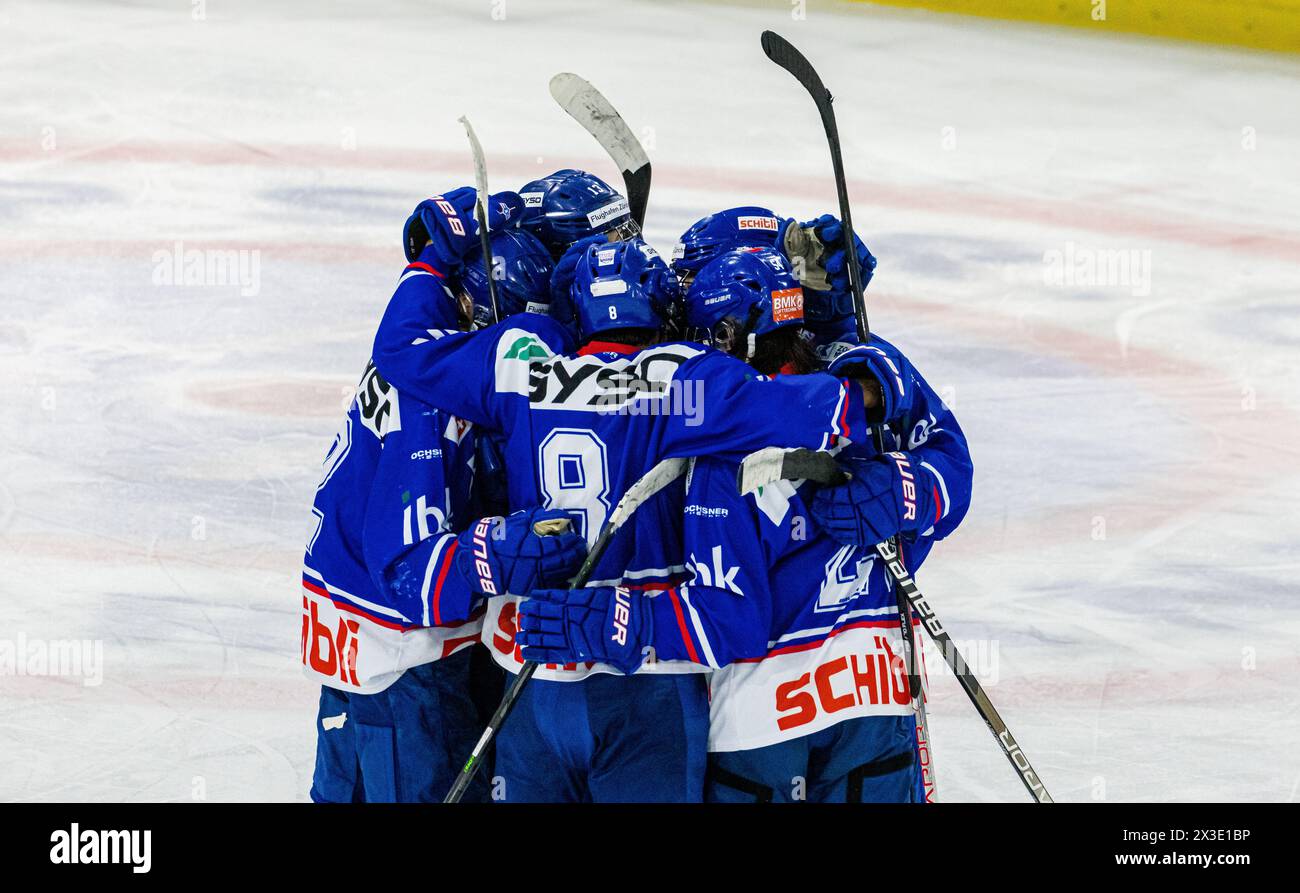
{"x":621,"y":285}
{"x":751,"y":290}
{"x":522,"y":269}
{"x":570,"y":205}
{"x":745,"y":227}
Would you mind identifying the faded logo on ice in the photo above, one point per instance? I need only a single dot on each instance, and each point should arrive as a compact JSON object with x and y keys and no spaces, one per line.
{"x":209,"y":267}
{"x":1107,"y":268}
{"x":22,"y":656}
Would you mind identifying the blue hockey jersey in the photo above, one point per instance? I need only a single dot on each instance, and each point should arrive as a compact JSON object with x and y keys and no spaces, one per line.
{"x":579,"y":429}
{"x":805,"y":632}
{"x":379,"y":593}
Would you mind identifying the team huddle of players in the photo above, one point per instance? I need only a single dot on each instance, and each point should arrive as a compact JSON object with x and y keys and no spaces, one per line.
{"x":728,"y":646}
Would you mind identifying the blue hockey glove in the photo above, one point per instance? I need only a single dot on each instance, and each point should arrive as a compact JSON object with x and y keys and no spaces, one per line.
{"x":830,"y":231}
{"x":882,"y":361}
{"x":446,"y":222}
{"x":886,"y":495}
{"x":511,"y":556}
{"x":603,"y":623}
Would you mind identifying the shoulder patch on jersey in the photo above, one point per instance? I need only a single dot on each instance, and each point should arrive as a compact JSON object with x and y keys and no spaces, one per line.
{"x":377,"y":403}
{"x":526,"y":347}
{"x":517,"y":351}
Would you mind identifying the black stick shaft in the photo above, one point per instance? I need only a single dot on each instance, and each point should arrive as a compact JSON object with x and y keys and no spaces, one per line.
{"x":516,"y":687}
{"x":485,"y":242}
{"x":654,"y":480}
{"x":968,"y":681}
{"x":783,"y":53}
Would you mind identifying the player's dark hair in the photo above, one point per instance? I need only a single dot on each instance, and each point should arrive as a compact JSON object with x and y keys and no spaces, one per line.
{"x":785,"y":346}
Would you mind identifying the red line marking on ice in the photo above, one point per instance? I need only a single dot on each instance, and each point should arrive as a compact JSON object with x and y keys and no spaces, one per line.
{"x":945,"y":200}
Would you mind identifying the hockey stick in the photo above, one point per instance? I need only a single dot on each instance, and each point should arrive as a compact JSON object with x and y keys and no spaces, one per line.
{"x":586,"y":105}
{"x":650,"y":483}
{"x":766,"y":467}
{"x":780,"y":51}
{"x":480,"y":212}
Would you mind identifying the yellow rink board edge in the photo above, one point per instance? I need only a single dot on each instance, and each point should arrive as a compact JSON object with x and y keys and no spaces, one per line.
{"x":1260,"y":24}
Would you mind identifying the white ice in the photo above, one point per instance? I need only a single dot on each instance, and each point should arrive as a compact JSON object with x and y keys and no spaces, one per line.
{"x":1132,"y":548}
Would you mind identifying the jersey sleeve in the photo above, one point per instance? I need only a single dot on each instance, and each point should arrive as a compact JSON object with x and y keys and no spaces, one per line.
{"x":464,"y":373}
{"x":724,"y":613}
{"x":940,"y":457}
{"x":419,"y":492}
{"x":741,"y":411}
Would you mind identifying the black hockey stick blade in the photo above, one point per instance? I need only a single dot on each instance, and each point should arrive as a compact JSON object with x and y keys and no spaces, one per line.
{"x":767,"y":466}
{"x":783,"y":53}
{"x":637,"y":184}
{"x":589,"y":107}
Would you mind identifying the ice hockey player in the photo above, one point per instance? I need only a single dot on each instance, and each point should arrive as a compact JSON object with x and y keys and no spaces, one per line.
{"x":813,"y":248}
{"x":581,"y":427}
{"x":786,"y":597}
{"x":567,"y":211}
{"x":392,"y":593}
{"x":571,"y":205}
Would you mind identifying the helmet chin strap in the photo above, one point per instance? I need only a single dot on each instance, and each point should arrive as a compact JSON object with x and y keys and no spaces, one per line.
{"x":728,"y":337}
{"x":747,"y":331}
{"x":465,"y":311}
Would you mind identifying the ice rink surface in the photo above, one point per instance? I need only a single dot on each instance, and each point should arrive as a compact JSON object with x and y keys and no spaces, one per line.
{"x":1127,"y":573}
